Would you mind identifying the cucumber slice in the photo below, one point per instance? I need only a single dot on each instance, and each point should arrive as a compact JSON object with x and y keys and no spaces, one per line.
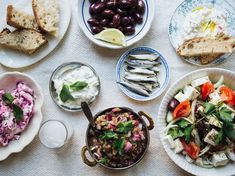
{"x":169,"y":117}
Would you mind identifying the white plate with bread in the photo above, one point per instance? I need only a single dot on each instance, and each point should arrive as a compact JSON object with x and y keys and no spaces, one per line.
{"x":203,"y":31}
{"x":31,"y":29}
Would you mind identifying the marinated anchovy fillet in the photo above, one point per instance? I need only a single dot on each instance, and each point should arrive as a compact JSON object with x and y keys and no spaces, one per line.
{"x":123,"y":139}
{"x":201,"y":123}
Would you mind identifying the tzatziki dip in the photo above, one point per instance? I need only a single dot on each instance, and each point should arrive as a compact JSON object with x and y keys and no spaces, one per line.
{"x":204,"y":22}
{"x":75,"y":85}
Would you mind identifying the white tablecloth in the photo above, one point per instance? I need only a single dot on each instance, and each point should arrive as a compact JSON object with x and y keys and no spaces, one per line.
{"x":35,"y":159}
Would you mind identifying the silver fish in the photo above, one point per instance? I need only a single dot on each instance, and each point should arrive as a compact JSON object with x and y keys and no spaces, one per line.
{"x":142,"y":62}
{"x":137,"y":89}
{"x":140,"y":78}
{"x":150,"y":57}
{"x":142,"y":71}
{"x":155,"y":69}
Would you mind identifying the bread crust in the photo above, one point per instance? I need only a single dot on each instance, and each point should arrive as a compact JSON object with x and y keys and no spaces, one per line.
{"x":10,"y":20}
{"x":7,"y":31}
{"x":37,"y":18}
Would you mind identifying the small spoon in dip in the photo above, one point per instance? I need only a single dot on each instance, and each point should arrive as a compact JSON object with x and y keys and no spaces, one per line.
{"x":87,"y":111}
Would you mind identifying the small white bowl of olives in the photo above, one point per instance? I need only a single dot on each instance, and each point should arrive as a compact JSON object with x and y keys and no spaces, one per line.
{"x":132,"y":17}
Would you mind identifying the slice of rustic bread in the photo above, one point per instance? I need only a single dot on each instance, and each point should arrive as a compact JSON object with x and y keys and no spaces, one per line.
{"x":47,"y":15}
{"x":206,"y":46}
{"x":20,"y":19}
{"x":206,"y":59}
{"x":25,"y":40}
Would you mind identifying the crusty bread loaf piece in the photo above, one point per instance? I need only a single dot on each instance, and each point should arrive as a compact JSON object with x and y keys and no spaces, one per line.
{"x":46,"y":13}
{"x":206,"y":46}
{"x":25,"y":40}
{"x":206,"y":59}
{"x":20,"y":19}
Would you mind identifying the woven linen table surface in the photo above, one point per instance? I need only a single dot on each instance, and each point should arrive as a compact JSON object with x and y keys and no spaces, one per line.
{"x":36,"y":159}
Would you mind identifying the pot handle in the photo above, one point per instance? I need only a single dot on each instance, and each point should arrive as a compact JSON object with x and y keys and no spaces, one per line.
{"x":151,"y":123}
{"x":84,"y":158}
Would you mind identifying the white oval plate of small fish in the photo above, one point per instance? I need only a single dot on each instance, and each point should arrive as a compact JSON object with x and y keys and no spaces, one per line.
{"x":142,"y":73}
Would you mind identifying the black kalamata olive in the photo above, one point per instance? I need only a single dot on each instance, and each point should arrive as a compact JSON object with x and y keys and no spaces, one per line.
{"x":121,"y":12}
{"x":111,"y":5}
{"x":172,"y":104}
{"x":141,"y":7}
{"x":92,"y":9}
{"x":120,"y":28}
{"x":129,"y":30}
{"x":124,"y":4}
{"x":96,"y":29}
{"x":107,"y":13}
{"x":138,"y":18}
{"x":111,"y":25}
{"x":134,"y":2}
{"x":104,"y":22}
{"x":132,"y":21}
{"x":93,"y":22}
{"x":116,"y":20}
{"x":132,"y":11}
{"x":125,"y":21}
{"x":99,"y":7}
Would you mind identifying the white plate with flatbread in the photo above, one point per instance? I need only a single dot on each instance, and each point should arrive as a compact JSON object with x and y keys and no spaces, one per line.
{"x":15,"y":59}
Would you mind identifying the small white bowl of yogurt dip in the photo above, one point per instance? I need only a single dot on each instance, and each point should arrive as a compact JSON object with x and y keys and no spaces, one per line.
{"x":72,"y":83}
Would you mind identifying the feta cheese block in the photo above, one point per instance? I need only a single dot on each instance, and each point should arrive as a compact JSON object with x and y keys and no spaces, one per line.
{"x":200,"y":81}
{"x":191,"y":93}
{"x":169,"y":140}
{"x":180,"y":97}
{"x":215,"y":98}
{"x":231,"y":155}
{"x":213,"y":120}
{"x":219,"y":159}
{"x":211,"y":137}
{"x":178,"y":146}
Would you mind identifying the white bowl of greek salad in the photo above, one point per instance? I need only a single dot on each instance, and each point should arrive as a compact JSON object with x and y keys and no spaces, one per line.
{"x":196,"y":122}
{"x":21,"y":100}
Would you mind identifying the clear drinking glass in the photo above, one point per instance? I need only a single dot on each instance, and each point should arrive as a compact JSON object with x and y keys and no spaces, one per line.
{"x":55,"y":133}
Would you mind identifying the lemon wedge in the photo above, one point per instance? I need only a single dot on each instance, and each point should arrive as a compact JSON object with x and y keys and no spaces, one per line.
{"x":113,"y":36}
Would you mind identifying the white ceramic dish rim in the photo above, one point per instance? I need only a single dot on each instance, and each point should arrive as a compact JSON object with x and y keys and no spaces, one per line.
{"x":32,"y":130}
{"x":157,"y":92}
{"x":138,"y":37}
{"x":66,"y":23}
{"x":218,"y":61}
{"x":178,"y":158}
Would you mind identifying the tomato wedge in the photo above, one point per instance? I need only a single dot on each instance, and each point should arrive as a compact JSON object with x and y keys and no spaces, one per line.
{"x":227,"y":95}
{"x":206,"y":89}
{"x":191,"y":149}
{"x":182,"y":110}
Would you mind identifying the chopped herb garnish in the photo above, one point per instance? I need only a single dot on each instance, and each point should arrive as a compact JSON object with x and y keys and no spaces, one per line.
{"x":125,"y":127}
{"x":79,"y":85}
{"x":18,"y":112}
{"x":187,"y":133}
{"x":219,"y":137}
{"x":225,"y":115}
{"x":209,"y":108}
{"x":65,"y":94}
{"x":108,"y":135}
{"x":119,"y":144}
{"x":104,"y":160}
{"x":175,"y":133}
{"x":183,"y":123}
{"x":229,"y":130}
{"x":7,"y":98}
